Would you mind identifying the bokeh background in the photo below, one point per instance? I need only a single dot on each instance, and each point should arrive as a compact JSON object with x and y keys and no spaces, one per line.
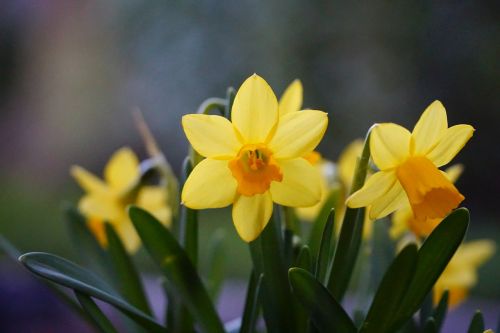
{"x":72,"y":71}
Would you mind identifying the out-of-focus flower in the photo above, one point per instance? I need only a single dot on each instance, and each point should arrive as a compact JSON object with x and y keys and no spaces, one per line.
{"x":106,"y":201}
{"x":255,"y":160}
{"x":403,"y":219}
{"x":461,"y":273}
{"x":408,"y":164}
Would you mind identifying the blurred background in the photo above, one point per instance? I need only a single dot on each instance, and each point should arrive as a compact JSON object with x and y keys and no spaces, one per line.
{"x":72,"y":71}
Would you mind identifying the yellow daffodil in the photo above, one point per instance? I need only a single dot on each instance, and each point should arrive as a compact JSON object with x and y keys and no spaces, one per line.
{"x":403,"y":218}
{"x":255,"y":160}
{"x":408,"y":164}
{"x":461,"y":273}
{"x":106,"y":201}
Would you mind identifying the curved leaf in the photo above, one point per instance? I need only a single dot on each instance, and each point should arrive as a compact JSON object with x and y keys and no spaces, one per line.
{"x":95,"y":314}
{"x":68,"y":274}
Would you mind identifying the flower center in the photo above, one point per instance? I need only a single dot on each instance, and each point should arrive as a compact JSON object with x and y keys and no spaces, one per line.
{"x":430,"y":193}
{"x":254,"y":168}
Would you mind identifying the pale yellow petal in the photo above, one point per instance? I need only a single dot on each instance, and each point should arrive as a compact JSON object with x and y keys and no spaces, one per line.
{"x":211,"y":136}
{"x":394,"y":199}
{"x":389,"y":145}
{"x":400,"y":222}
{"x":128,"y":235}
{"x":347,"y":162}
{"x":474,"y":253}
{"x":154,"y":200}
{"x":298,"y":133}
{"x":210,"y":185}
{"x":376,"y":186}
{"x":255,"y":110}
{"x":452,"y":141}
{"x":105,"y":208}
{"x":87,"y":181}
{"x":454,"y":172}
{"x":301,"y":184}
{"x":291,"y":100}
{"x":122,"y":170}
{"x":429,"y":128}
{"x":251,"y":215}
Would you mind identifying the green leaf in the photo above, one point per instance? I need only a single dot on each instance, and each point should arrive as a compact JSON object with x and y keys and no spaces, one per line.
{"x":433,"y":256}
{"x":426,"y":309}
{"x":90,"y":253}
{"x":382,"y":252}
{"x":216,"y":263}
{"x":391,"y":291}
{"x":268,"y":259}
{"x":318,"y":225}
{"x":68,"y":274}
{"x":325,"y":249}
{"x":477,"y":323}
{"x":188,"y":227}
{"x":349,"y":241}
{"x":326,"y":313}
{"x":251,"y":304}
{"x":177,"y":268}
{"x":95,"y":314}
{"x":129,"y":284}
{"x":430,"y":326}
{"x":439,"y":313}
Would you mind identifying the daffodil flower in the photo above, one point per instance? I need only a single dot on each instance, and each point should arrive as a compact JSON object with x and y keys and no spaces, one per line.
{"x":408,"y":164}
{"x":106,"y":201}
{"x":255,"y":159}
{"x":403,"y":219}
{"x":461,"y":273}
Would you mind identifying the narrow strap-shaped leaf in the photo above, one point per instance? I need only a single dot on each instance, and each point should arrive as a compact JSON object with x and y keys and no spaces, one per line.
{"x":95,"y":314}
{"x":177,"y":268}
{"x":326,"y":313}
{"x":129,"y":282}
{"x":251,"y":308}
{"x":349,"y":240}
{"x":426,"y":309}
{"x":268,"y":259}
{"x":68,"y":274}
{"x":433,"y":256}
{"x":477,"y":323}
{"x":439,"y":313}
{"x":430,"y":326}
{"x":89,"y":252}
{"x":319,"y":222}
{"x":188,"y":236}
{"x":325,"y":250}
{"x":391,"y":291}
{"x":216,"y":263}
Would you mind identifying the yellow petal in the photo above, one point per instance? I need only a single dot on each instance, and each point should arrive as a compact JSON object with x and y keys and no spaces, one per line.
{"x":376,"y":186}
{"x":347,"y":162}
{"x":400,"y":222}
{"x":298,"y":133}
{"x":429,"y":128}
{"x":122,"y":170}
{"x":154,"y":199}
{"x":255,"y":110}
{"x":453,"y":172}
{"x":394,"y":199}
{"x":251,"y":215}
{"x":452,"y":141}
{"x":95,"y":206}
{"x":389,"y":145}
{"x":291,"y":100}
{"x":301,"y":184}
{"x":475,"y":252}
{"x":211,"y":136}
{"x":87,"y":181}
{"x":210,"y":185}
{"x":126,"y":231}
